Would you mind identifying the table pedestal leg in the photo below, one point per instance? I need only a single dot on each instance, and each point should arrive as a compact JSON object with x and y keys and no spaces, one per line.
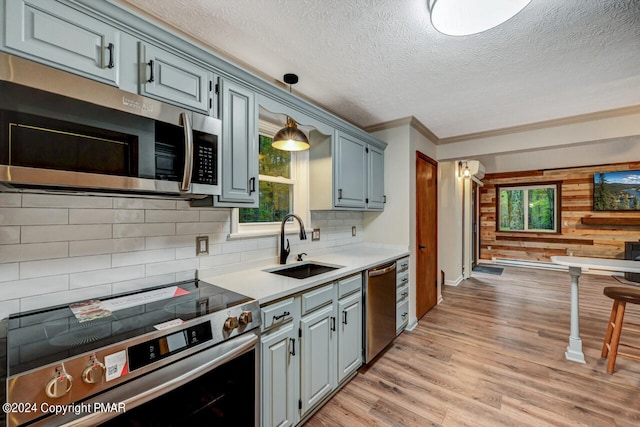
{"x":574,"y":349}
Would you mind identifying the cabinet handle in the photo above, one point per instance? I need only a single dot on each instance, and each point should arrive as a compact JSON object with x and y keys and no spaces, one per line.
{"x":340,"y":194}
{"x":151,"y":78}
{"x":405,"y":294}
{"x":252,"y":185}
{"x":404,"y":315}
{"x":110,"y":48}
{"x":293,"y":347}
{"x":405,"y":280}
{"x":333,"y":323}
{"x":344,"y":317}
{"x":282,"y":316}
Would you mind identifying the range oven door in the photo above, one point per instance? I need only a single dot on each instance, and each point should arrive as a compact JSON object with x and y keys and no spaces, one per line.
{"x":217,"y":386}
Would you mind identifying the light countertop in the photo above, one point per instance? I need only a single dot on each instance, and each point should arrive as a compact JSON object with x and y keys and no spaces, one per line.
{"x":267,"y":287}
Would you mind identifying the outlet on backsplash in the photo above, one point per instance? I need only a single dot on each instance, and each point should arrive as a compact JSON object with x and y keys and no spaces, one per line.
{"x":202,"y":245}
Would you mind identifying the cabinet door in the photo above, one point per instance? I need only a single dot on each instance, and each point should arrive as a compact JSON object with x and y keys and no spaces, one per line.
{"x":60,"y":35}
{"x":375,"y":190}
{"x":169,"y":78}
{"x":239,"y":146}
{"x":279,"y":367}
{"x":351,"y":172}
{"x":349,"y":335}
{"x":318,"y":359}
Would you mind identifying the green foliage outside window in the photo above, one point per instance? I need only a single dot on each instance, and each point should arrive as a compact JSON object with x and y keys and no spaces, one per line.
{"x":528,"y":209}
{"x":276,"y":199}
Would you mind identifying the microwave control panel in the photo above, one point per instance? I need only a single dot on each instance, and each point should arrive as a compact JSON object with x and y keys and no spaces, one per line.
{"x":205,"y":165}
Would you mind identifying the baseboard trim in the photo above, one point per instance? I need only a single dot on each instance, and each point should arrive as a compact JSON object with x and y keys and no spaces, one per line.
{"x":454,"y":282}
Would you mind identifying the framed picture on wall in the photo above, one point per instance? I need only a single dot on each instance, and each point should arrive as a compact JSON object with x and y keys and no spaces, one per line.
{"x":616,"y":191}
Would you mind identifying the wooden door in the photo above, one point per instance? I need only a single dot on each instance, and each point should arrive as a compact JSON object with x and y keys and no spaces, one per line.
{"x":426,"y":234}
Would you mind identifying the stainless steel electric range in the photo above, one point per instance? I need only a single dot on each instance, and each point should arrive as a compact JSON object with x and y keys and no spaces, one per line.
{"x":176,"y":355}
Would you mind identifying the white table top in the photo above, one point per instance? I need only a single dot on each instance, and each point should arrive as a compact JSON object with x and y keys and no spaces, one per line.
{"x":622,"y":265}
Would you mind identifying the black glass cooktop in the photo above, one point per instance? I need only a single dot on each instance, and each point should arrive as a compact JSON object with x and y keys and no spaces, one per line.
{"x":41,"y":337}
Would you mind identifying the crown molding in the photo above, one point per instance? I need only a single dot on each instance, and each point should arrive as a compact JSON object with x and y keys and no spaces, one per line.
{"x":410,"y":121}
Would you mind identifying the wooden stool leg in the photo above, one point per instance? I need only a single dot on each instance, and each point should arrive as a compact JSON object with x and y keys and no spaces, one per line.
{"x":615,"y":339}
{"x":607,"y":337}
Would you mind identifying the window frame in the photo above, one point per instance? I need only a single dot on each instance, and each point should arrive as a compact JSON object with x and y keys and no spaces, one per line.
{"x":300,"y":182}
{"x":557,"y":185}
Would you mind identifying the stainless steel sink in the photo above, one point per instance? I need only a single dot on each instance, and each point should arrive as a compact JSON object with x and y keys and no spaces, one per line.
{"x":304,"y":270}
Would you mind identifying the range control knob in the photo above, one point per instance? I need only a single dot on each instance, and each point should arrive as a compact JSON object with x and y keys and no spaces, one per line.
{"x":246,"y":317}
{"x":231,"y":323}
{"x":93,"y":373}
{"x":59,"y":385}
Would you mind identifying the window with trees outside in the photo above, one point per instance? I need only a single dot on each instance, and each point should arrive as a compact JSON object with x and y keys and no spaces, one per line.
{"x":282,"y":180}
{"x":531,"y":208}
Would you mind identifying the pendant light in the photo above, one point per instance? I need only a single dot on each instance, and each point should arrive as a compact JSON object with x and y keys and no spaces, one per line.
{"x":466,"y":17}
{"x":290,"y":138}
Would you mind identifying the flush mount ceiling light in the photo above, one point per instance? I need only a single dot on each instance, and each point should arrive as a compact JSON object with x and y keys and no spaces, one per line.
{"x":290,"y":138}
{"x":465,"y":17}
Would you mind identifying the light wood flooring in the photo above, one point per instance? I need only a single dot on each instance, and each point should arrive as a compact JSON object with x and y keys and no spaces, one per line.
{"x":492,"y":354}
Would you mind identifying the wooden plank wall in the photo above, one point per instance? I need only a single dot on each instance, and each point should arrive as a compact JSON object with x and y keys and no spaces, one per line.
{"x":596,"y":240}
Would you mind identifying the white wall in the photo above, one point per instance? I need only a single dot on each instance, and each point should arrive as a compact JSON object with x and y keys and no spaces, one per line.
{"x":450,"y":238}
{"x":57,"y":249}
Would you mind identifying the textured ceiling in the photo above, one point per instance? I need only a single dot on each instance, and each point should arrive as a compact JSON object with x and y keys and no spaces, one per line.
{"x":373,"y":61}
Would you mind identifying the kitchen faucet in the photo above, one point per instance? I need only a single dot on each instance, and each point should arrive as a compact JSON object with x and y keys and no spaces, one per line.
{"x":284,"y":252}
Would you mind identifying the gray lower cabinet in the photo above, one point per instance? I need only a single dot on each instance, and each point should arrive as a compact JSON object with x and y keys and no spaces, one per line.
{"x":165,"y":76}
{"x":311,"y":344}
{"x":239,"y":115}
{"x":53,"y":33}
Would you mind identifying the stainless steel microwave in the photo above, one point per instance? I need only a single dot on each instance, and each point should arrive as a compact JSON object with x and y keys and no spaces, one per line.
{"x":62,"y":132}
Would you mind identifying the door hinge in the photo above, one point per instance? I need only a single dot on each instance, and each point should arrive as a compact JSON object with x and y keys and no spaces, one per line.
{"x":299,"y":332}
{"x":366,"y":150}
{"x":366,"y":200}
{"x":299,"y":403}
{"x":217,"y":88}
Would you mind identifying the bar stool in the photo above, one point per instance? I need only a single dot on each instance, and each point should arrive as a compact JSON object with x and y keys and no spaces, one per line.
{"x":621,"y":296}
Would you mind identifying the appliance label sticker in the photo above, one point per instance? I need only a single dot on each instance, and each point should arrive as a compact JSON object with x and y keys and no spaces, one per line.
{"x":116,"y":365}
{"x":167,"y":325}
{"x":141,"y":298}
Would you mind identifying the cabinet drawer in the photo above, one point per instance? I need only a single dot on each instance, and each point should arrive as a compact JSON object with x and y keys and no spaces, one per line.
{"x":402,"y":265}
{"x":402,"y":279}
{"x":402,"y":315}
{"x":317,"y":298}
{"x":278,"y":313}
{"x":402,"y":293}
{"x":349,"y":285}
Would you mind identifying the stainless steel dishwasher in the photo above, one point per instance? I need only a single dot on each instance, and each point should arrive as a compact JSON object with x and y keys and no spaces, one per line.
{"x":380,"y":309}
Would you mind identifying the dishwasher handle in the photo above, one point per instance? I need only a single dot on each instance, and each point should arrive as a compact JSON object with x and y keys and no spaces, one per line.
{"x":382,"y":270}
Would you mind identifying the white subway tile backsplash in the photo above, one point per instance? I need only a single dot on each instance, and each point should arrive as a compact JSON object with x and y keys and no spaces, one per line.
{"x":132,"y":203}
{"x":66,"y":297}
{"x":10,"y":200}
{"x":215,"y":215}
{"x":9,"y":235}
{"x":143,"y":283}
{"x":9,"y":271}
{"x":31,"y":269}
{"x":129,"y":216}
{"x":33,"y":251}
{"x":106,"y":246}
{"x":240,"y":246}
{"x":62,"y":233}
{"x":100,"y":277}
{"x":29,"y":216}
{"x":218,"y":260}
{"x":63,"y":201}
{"x":200,"y":228}
{"x":8,"y":307}
{"x":171,"y":266}
{"x":171,"y":216}
{"x":91,"y":216}
{"x":38,"y":286}
{"x":142,"y":257}
{"x":141,"y":230}
{"x":160,"y":242}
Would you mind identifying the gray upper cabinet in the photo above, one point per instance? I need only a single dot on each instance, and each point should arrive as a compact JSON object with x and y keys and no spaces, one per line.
{"x":350,"y":172}
{"x":346,"y":172}
{"x":55,"y":34}
{"x":170,"y":78}
{"x":239,"y":116}
{"x":375,"y":184}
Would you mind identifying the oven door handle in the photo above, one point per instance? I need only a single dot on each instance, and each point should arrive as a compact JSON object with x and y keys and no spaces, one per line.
{"x":185,"y":121}
{"x":151,"y":386}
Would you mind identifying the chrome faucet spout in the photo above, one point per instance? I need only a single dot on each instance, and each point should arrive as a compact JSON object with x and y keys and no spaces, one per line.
{"x":284,"y":251}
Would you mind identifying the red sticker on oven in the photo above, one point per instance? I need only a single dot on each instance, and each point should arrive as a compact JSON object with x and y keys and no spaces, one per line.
{"x":116,"y":365}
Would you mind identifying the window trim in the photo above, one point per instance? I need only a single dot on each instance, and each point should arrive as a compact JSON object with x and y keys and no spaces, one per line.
{"x":531,"y":186}
{"x":300,"y":181}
